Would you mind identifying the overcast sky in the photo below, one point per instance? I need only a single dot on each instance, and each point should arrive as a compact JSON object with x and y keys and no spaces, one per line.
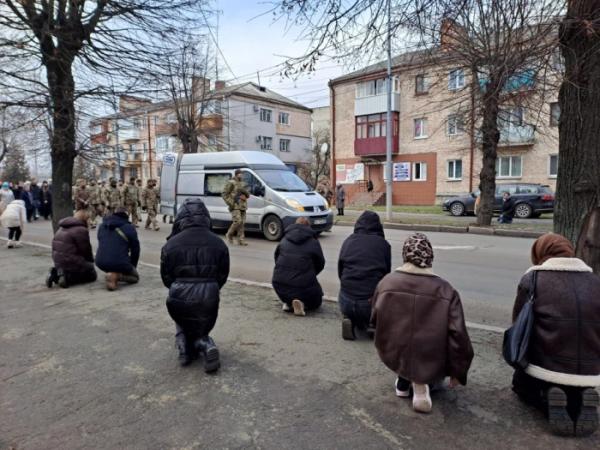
{"x":252,"y":42}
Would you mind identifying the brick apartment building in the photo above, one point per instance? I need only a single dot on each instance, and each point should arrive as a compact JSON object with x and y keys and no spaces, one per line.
{"x":247,"y":116}
{"x":435,"y":153}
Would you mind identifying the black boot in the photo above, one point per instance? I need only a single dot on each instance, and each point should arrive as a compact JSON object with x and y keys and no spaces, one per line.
{"x":348,"y":329}
{"x":185,"y":358}
{"x":52,"y":277}
{"x":207,"y":347}
{"x":62,"y":279}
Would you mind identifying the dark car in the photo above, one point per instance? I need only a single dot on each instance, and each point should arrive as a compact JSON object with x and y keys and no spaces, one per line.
{"x":531,"y":200}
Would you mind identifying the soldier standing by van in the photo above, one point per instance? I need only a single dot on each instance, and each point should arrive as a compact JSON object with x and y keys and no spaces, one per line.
{"x":131,"y":199}
{"x":236,"y":195}
{"x":150,"y":200}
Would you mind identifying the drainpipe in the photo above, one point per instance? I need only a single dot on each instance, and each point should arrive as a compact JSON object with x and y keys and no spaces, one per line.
{"x":472,"y":130}
{"x":332,"y":101}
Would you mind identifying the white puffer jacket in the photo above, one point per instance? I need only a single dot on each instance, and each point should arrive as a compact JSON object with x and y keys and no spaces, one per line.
{"x":14,"y":215}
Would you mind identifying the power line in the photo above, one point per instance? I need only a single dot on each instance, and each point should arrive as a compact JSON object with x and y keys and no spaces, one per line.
{"x":215,"y":40}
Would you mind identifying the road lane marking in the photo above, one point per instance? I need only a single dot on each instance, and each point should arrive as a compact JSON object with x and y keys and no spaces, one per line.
{"x":476,"y":326}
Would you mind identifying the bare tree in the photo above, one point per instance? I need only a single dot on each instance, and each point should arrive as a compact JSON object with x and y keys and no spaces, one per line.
{"x":578,"y":186}
{"x":103,"y":37}
{"x":504,"y":46}
{"x":319,"y":166}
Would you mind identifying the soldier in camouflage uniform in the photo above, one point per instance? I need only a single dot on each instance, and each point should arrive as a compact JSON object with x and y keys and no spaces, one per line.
{"x":140,"y":189}
{"x":95,"y":201}
{"x":236,"y":195}
{"x":112,"y":197}
{"x":150,"y":201}
{"x":131,"y":199}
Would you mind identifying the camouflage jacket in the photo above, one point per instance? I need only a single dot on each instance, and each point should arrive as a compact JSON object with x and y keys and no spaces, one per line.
{"x":95,"y":195}
{"x":232,"y":195}
{"x":150,"y":198}
{"x":130,"y":194}
{"x":113,"y":198}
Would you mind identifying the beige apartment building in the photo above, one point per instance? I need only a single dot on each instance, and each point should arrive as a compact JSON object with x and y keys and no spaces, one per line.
{"x":436,"y":151}
{"x":132,"y":142}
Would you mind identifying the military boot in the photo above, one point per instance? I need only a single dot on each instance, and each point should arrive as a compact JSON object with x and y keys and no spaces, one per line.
{"x":207,"y":347}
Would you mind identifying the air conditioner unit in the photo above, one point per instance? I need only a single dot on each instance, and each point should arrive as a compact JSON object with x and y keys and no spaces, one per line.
{"x":258,"y":138}
{"x":256,"y":108}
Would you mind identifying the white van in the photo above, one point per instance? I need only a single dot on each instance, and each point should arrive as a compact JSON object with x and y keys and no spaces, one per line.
{"x":278,"y":197}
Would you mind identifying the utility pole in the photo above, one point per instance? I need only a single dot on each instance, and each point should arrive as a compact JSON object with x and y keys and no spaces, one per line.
{"x":118,"y":176}
{"x":389,"y":126}
{"x":149,"y":147}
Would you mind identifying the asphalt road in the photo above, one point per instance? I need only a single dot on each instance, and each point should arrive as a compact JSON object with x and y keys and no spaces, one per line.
{"x":484,"y":269}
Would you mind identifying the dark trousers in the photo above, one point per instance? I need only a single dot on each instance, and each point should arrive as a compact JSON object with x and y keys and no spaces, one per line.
{"x":358,"y":311}
{"x":14,"y":233}
{"x":340,"y":211}
{"x":85,"y":276}
{"x":311,"y":297}
{"x":535,"y":392}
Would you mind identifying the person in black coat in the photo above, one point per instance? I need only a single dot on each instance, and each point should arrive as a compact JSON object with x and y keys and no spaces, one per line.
{"x":45,"y":201}
{"x":118,"y":249}
{"x":194,"y":265}
{"x":36,"y":194}
{"x":508,"y":209}
{"x":365,"y":258}
{"x":298,"y":261}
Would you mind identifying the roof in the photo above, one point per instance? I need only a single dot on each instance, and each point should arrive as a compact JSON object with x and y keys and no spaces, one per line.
{"x":237,"y":158}
{"x":414,"y":58}
{"x":248,"y":90}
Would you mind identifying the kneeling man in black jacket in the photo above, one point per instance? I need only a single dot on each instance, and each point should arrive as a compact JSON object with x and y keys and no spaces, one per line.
{"x":194,"y":265}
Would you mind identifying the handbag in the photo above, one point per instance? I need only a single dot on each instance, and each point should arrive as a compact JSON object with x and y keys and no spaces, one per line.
{"x":516,"y":339}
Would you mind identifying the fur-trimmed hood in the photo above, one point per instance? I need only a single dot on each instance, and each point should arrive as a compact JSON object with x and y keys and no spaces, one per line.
{"x":562,"y":265}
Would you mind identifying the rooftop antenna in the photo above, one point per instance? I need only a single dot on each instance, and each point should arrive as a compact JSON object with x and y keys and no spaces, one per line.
{"x":217,"y":53}
{"x":258,"y":76}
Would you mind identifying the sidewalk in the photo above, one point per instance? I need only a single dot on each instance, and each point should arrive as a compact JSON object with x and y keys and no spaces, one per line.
{"x":86,"y":368}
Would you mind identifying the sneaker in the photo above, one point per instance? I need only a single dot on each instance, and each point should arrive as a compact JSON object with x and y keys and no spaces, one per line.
{"x":243,"y":243}
{"x":211,"y":360}
{"x":558,"y":417}
{"x":402,"y":388}
{"x":9,"y":244}
{"x":156,"y":228}
{"x":348,"y":329}
{"x":17,"y":244}
{"x":587,"y":422}
{"x":298,"y":307}
{"x":421,"y":398}
{"x":112,"y":280}
{"x":286,"y":308}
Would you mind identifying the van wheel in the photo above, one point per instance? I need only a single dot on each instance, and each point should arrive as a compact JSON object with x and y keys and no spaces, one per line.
{"x":272,"y":228}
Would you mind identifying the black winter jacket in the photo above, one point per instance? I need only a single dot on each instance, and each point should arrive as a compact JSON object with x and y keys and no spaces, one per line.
{"x":508,"y":208}
{"x":194,"y":265}
{"x":298,"y":260}
{"x":115,"y":253}
{"x":365,"y":258}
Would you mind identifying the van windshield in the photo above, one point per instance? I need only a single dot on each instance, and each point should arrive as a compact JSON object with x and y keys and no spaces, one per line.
{"x":283,"y":180}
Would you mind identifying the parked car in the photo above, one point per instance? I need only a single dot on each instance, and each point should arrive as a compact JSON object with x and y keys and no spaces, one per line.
{"x":531,"y":200}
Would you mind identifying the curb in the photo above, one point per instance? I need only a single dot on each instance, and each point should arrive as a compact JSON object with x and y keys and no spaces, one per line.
{"x":485,"y":231}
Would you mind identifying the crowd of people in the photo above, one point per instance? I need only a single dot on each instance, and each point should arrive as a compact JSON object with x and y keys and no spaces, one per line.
{"x":414,"y":316}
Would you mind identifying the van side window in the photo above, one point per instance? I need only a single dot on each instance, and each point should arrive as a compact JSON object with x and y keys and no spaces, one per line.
{"x":250,"y":180}
{"x":214,"y":183}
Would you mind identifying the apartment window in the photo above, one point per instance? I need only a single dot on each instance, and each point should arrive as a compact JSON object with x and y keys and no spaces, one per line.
{"x":557,"y":61}
{"x":171,"y":118}
{"x":509,"y":167}
{"x":145,"y":147}
{"x":421,"y":84}
{"x":162,"y":143}
{"x":374,"y":125}
{"x":265,"y":115}
{"x":155,"y":120}
{"x":419,"y":171}
{"x":375,"y":87}
{"x":554,"y":114}
{"x":553,"y":166}
{"x":420,"y":125}
{"x":212,"y":139}
{"x":284,"y":118}
{"x":284,"y":145}
{"x":456,"y":79}
{"x":266,"y":143}
{"x":132,"y":148}
{"x":511,"y":117}
{"x":456,"y":125}
{"x":218,"y":106}
{"x":455,"y":169}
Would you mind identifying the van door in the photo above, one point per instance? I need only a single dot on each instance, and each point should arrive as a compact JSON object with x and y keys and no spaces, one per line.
{"x":256,"y":203}
{"x":190,"y":184}
{"x":167,"y":184}
{"x":214,"y":184}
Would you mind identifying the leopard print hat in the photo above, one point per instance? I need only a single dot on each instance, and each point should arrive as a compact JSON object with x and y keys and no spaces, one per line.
{"x":417,"y":250}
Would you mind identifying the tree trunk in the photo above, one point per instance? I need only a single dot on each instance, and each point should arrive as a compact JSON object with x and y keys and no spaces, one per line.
{"x":588,"y":244}
{"x":490,"y":137}
{"x":578,"y":184}
{"x":63,"y":149}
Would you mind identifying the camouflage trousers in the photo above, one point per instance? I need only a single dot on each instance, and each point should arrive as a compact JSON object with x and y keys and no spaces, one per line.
{"x":133,"y":212}
{"x":151,"y":220}
{"x":236,"y":230}
{"x":95,"y":211}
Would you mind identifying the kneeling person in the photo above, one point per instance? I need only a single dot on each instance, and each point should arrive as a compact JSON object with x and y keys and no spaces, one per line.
{"x":194,"y":265}
{"x":298,"y":260}
{"x":72,"y":253}
{"x":118,"y":249}
{"x":420,"y":330}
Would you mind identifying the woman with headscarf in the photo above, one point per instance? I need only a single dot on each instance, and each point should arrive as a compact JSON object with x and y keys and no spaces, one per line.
{"x":564,"y":347}
{"x":420,"y":330}
{"x":6,"y":196}
{"x":194,"y":266}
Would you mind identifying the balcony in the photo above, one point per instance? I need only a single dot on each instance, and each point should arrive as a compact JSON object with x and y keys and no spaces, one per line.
{"x":374,"y":146}
{"x":127,"y":133}
{"x":517,"y":135}
{"x":374,"y":104}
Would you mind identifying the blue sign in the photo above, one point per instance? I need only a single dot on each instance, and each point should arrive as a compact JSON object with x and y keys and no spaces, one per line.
{"x":169,"y":159}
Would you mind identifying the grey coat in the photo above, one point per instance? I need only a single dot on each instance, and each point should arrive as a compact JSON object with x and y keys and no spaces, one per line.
{"x":340,"y":197}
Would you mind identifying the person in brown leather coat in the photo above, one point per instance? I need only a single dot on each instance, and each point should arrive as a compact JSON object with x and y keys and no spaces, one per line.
{"x":420,"y":330}
{"x":564,"y":347}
